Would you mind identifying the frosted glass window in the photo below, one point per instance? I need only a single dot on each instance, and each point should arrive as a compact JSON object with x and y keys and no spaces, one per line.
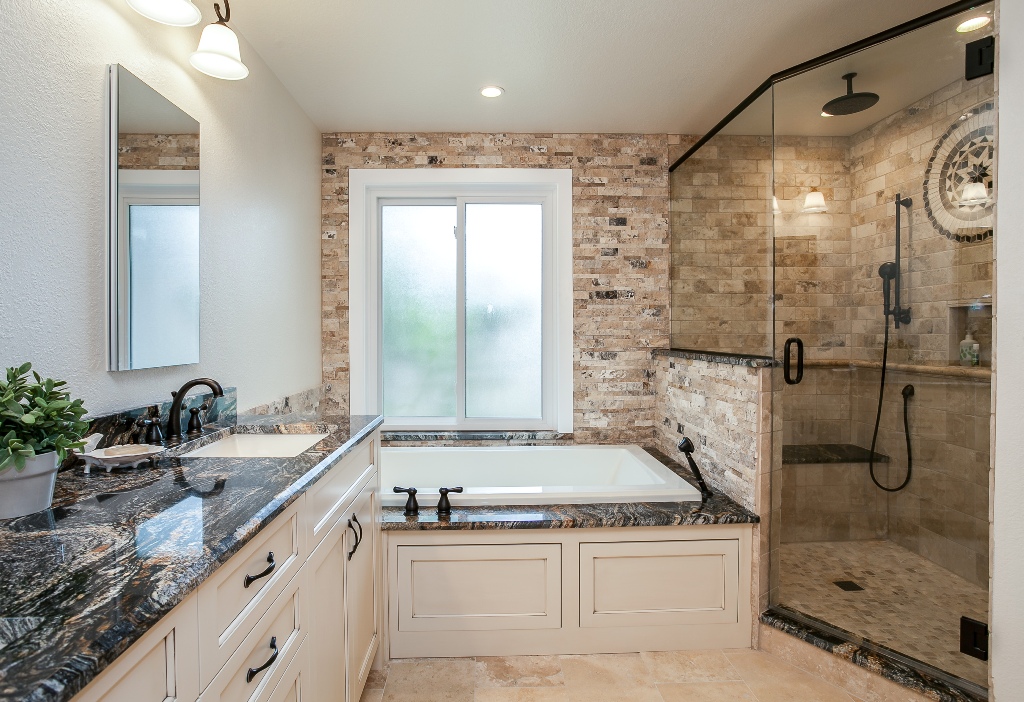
{"x":418,"y":310}
{"x":163,"y":256}
{"x":504,"y":313}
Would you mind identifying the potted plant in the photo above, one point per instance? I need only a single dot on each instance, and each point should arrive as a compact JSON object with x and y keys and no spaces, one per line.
{"x":39,"y":424}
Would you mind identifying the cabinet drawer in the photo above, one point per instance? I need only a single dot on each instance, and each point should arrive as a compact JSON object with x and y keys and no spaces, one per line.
{"x":325,"y":499}
{"x":469,"y":587}
{"x":283,"y":626}
{"x":652,"y":583}
{"x":231,"y":601}
{"x":294,"y":685}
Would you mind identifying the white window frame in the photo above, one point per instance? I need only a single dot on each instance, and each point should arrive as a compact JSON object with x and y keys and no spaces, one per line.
{"x":368,"y":189}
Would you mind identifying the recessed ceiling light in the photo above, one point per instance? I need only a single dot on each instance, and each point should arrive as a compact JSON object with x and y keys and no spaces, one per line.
{"x":973,"y":24}
{"x":491,"y":91}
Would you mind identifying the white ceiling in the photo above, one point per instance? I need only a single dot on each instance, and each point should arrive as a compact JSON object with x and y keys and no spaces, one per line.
{"x":900,"y":71}
{"x":642,"y":66}
{"x":142,"y":110}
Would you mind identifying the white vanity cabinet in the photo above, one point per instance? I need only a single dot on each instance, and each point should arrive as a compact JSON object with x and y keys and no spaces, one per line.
{"x":344,"y":630}
{"x":295,"y":615}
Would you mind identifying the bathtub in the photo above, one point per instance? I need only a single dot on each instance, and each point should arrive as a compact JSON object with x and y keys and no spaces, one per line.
{"x":531,"y":475}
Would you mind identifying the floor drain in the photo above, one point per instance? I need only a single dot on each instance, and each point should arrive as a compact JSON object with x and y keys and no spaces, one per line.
{"x":847,"y":585}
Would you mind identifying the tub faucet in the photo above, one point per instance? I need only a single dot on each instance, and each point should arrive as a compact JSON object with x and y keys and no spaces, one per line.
{"x":687,"y":447}
{"x":174,"y":421}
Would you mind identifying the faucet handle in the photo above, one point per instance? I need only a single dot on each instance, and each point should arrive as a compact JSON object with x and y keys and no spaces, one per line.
{"x":195,"y":425}
{"x":444,"y":506}
{"x":412,"y":507}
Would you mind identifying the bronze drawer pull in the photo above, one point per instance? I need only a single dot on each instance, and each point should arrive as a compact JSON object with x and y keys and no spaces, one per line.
{"x":250,"y":579}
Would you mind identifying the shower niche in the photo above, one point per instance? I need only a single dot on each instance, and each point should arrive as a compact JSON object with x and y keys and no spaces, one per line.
{"x":842,"y":224}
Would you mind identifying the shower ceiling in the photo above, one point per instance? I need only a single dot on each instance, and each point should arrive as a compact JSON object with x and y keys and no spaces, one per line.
{"x":901,"y":71}
{"x":652,"y":66}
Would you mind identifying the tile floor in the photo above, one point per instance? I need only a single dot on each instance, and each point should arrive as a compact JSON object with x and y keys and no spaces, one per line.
{"x":674,"y":676}
{"x":908,"y":603}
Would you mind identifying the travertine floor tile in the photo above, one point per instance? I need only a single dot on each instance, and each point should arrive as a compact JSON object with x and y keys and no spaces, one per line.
{"x":519,"y":671}
{"x":689,"y":666}
{"x":430,"y":680}
{"x":613,"y":670}
{"x":706,"y":692}
{"x":372,"y":695}
{"x":773,"y":680}
{"x":522,"y":694}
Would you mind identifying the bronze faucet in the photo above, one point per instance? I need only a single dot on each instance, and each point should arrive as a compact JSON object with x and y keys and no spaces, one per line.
{"x":174,"y":421}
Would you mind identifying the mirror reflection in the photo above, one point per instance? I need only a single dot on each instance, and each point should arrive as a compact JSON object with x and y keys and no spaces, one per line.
{"x":154,"y":222}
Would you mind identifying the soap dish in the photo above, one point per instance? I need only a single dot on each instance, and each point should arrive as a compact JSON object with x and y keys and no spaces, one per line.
{"x":120,"y":458}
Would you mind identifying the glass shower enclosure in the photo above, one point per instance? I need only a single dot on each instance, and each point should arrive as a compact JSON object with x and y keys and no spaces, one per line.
{"x":841,"y":226}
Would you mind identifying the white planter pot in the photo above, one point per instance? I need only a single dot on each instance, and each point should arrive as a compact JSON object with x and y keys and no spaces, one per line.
{"x":30,"y":489}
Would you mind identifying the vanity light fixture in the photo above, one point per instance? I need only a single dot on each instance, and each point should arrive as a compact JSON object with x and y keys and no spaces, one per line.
{"x":218,"y":53}
{"x":814,"y":203}
{"x":973,"y":24}
{"x":491,"y":91}
{"x":176,"y":13}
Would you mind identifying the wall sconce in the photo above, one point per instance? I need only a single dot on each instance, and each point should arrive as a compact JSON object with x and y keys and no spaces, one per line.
{"x":975,"y":193}
{"x":814,"y":203}
{"x":176,"y":13}
{"x":218,"y":53}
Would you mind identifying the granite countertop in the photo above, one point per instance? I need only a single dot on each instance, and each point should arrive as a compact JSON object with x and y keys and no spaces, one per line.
{"x":82,"y":581}
{"x":718,"y":510}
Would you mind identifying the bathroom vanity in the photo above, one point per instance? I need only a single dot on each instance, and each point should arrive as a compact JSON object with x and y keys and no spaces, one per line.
{"x":214,"y":578}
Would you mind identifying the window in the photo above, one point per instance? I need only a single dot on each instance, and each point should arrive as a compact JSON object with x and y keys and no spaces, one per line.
{"x":461,"y":298}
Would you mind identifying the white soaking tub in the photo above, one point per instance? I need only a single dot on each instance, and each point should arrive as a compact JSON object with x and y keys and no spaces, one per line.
{"x":530,"y":475}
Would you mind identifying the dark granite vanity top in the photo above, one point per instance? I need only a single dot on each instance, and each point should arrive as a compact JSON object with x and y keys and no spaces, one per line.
{"x":718,"y":510}
{"x":732,"y":359}
{"x":82,"y":581}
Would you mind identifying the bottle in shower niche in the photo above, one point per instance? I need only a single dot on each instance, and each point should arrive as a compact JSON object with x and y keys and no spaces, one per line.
{"x":967,"y":353}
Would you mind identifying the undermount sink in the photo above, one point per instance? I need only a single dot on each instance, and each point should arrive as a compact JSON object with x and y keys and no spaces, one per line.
{"x":257,"y":446}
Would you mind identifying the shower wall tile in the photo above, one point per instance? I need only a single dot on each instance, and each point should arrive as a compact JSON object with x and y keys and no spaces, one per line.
{"x":620,"y":244}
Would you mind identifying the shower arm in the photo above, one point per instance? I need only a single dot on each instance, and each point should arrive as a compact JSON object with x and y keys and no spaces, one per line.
{"x":900,"y":314}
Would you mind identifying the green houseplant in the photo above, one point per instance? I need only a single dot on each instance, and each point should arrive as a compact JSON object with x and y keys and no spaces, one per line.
{"x":39,"y":424}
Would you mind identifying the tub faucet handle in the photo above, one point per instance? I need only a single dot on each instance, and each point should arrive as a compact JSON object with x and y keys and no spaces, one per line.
{"x":412,"y":508}
{"x":444,"y":506}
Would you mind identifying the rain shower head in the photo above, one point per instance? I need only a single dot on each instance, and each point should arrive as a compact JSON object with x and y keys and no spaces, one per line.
{"x":851,"y":102}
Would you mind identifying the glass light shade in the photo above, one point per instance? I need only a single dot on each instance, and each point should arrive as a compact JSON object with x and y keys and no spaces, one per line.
{"x":218,"y":54}
{"x":973,"y":24}
{"x":177,"y":13}
{"x":814,"y":202}
{"x":974,"y":194}
{"x":775,"y":205}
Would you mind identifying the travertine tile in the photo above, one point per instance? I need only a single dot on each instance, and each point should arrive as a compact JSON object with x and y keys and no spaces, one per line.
{"x":430,"y":679}
{"x":522,"y":694}
{"x":707,"y":692}
{"x":688,"y":666}
{"x":371,"y":694}
{"x":519,"y":671}
{"x":774,"y":680}
{"x":616,"y":670}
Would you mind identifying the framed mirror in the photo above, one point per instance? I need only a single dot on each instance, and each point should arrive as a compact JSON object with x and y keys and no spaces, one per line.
{"x":153,"y":228}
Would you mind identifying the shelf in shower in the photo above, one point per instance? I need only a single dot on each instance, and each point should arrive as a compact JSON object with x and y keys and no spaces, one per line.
{"x":796,"y":454}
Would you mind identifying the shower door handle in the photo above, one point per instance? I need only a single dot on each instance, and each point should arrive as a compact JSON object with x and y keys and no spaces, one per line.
{"x":787,"y":361}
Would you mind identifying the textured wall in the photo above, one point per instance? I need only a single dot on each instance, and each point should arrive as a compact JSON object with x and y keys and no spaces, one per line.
{"x":259,"y":217}
{"x":721,"y":250}
{"x":620,"y":256}
{"x":891,"y":157}
{"x":158,"y":152}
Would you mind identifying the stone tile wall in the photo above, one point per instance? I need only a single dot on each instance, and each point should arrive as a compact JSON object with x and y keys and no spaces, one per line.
{"x":158,"y":152}
{"x":620,"y":266}
{"x":892,"y":157}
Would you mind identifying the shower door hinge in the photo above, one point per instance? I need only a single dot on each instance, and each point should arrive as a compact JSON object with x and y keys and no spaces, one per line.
{"x":980,"y":58}
{"x":974,"y":638}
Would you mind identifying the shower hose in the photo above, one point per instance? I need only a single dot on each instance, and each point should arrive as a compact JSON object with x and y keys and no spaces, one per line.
{"x":908,"y":392}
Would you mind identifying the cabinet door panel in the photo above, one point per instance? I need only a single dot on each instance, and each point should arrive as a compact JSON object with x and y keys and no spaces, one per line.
{"x":360,"y":588}
{"x":325,"y":573}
